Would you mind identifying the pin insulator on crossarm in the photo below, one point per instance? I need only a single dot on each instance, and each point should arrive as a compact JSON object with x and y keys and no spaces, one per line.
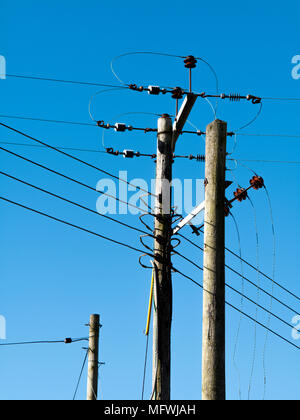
{"x":177,"y":93}
{"x":190,"y":62}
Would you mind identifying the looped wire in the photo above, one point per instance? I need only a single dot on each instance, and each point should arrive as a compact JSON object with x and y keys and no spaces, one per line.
{"x":143,"y":265}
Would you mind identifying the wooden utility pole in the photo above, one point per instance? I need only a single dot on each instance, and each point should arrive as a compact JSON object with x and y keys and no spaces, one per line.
{"x":213,"y":348}
{"x":93,"y":355}
{"x":162,"y":262}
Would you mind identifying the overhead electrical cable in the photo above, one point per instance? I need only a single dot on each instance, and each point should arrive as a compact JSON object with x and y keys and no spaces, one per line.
{"x":72,"y":202}
{"x":73,"y":157}
{"x":75,"y":226}
{"x":69,"y":178}
{"x":243,"y":313}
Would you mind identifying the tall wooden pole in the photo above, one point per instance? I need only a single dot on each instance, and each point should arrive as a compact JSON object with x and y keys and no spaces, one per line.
{"x":162,"y":262}
{"x":93,"y":357}
{"x":213,"y":348}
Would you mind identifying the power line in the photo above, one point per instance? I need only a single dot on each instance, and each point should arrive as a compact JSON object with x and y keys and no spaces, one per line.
{"x":296,"y":136}
{"x":145,"y":366}
{"x":240,"y":275}
{"x":68,"y":178}
{"x":81,"y":372}
{"x":280,"y":99}
{"x":58,"y":147}
{"x":109,"y":151}
{"x":190,"y":157}
{"x":243,"y":313}
{"x":247,"y":263}
{"x":198,"y":132}
{"x":135,"y":249}
{"x":74,"y":82}
{"x":240,"y":293}
{"x":72,"y":202}
{"x":124,"y":85}
{"x":267,"y":161}
{"x":74,"y":158}
{"x":18,"y":117}
{"x":75,"y":226}
{"x":66,"y":341}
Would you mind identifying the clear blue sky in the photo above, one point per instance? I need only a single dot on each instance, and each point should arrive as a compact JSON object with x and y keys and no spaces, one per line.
{"x":52,"y":276}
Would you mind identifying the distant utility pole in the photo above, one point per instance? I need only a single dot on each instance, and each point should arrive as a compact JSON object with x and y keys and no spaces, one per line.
{"x":93,"y":357}
{"x":162,"y":262}
{"x":213,"y":348}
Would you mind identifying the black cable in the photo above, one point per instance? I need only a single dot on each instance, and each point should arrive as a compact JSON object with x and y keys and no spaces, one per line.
{"x":73,"y":203}
{"x":243,"y":313}
{"x":47,"y":79}
{"x":281,"y":99}
{"x":75,"y":226}
{"x":198,"y":158}
{"x":245,"y":278}
{"x":267,"y":161}
{"x":246,"y":262}
{"x":113,"y":86}
{"x":238,"y":292}
{"x":17,"y":117}
{"x":81,"y":372}
{"x":296,"y":136}
{"x":253,"y":119}
{"x":74,"y":157}
{"x":145,"y":366}
{"x":68,"y":178}
{"x":183,"y":132}
{"x":59,"y":147}
{"x":66,"y":341}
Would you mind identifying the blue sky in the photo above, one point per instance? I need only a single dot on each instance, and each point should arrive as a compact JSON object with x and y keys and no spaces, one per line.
{"x":52,"y":276}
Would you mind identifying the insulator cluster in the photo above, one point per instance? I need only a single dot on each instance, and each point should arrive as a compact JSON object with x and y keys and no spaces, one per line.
{"x":241,"y":194}
{"x":121,"y":127}
{"x":177,"y":92}
{"x":152,"y":90}
{"x":257,"y":182}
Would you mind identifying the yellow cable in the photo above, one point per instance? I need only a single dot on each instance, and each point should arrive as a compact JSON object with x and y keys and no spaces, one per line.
{"x":150,"y":304}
